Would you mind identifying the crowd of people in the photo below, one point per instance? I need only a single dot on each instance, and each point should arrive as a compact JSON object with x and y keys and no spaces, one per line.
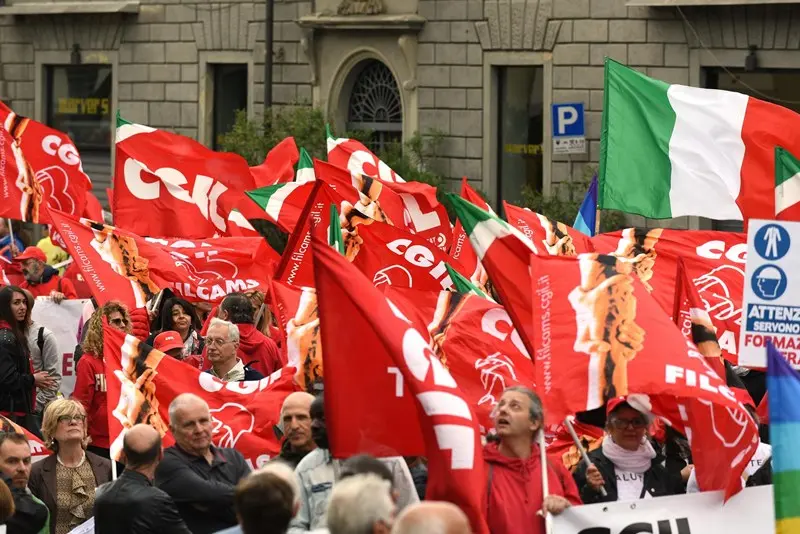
{"x":197,"y":487}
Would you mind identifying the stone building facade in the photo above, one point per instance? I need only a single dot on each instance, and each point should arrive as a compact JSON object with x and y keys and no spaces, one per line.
{"x":484,"y":73}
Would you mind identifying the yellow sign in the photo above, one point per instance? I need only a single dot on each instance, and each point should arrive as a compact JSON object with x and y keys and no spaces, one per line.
{"x":83,"y":106}
{"x":523,"y":149}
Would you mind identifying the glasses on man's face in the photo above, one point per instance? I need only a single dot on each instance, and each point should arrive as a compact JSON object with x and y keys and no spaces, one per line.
{"x":216,"y":341}
{"x":637,"y":423}
{"x":71,"y":418}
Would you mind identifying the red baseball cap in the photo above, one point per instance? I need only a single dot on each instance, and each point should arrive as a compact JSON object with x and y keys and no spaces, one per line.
{"x":614,"y":403}
{"x":167,"y":341}
{"x":32,"y":253}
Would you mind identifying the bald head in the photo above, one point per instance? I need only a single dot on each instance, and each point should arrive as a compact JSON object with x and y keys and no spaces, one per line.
{"x":142,"y":446}
{"x":185,"y":401}
{"x":296,"y":420}
{"x":431,"y":517}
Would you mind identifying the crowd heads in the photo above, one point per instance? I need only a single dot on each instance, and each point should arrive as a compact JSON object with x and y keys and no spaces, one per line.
{"x":141,"y":447}
{"x":432,"y":518}
{"x":190,"y":423}
{"x":518,"y":412}
{"x":15,"y":459}
{"x":361,"y":504}
{"x":267,"y":500}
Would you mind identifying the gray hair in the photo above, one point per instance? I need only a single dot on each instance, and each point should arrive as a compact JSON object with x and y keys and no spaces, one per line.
{"x":535,"y":411}
{"x":233,"y":330}
{"x":285,"y":472}
{"x":358,"y":502}
{"x":179,"y":402}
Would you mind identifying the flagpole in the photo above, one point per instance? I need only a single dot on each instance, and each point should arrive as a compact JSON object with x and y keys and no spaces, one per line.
{"x":548,"y":517}
{"x":11,"y":243}
{"x":581,"y":449}
{"x":597,"y":222}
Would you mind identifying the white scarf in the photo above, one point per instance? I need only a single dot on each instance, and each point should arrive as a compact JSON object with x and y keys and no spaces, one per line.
{"x":637,"y":461}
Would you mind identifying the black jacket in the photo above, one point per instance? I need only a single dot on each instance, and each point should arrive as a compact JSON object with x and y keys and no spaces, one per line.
{"x":131,"y":505}
{"x":16,"y":377}
{"x":291,"y":456}
{"x":657,"y":481}
{"x":29,"y":516}
{"x":762,"y":477}
{"x":203,"y":492}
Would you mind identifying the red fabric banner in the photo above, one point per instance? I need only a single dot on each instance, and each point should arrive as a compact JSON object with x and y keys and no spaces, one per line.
{"x":461,"y":249}
{"x":39,"y":167}
{"x":120,"y":265}
{"x":348,"y":300}
{"x":142,"y":382}
{"x":549,"y":236}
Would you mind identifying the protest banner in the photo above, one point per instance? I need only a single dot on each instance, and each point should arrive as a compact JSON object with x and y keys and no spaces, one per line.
{"x":64,"y":321}
{"x":770,"y":301}
{"x":699,"y":513}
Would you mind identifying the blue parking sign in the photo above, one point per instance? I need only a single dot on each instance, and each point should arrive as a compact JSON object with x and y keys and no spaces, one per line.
{"x":568,"y":120}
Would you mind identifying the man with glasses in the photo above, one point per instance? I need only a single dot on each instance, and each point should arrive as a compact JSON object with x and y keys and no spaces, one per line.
{"x":200,"y":477}
{"x":626,"y":464}
{"x":222,"y":342}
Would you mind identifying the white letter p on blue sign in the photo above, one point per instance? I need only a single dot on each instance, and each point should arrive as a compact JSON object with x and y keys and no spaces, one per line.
{"x":568,"y":120}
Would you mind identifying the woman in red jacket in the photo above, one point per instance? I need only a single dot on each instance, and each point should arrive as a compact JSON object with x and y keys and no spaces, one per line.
{"x":90,"y":374}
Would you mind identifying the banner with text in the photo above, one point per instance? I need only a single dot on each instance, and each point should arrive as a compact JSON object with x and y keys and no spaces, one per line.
{"x":699,"y":513}
{"x":64,"y":321}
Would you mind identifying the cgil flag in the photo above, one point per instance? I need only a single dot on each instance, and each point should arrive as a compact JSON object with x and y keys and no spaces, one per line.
{"x":586,"y":219}
{"x":699,"y":152}
{"x":783,"y":385}
{"x":787,"y":186}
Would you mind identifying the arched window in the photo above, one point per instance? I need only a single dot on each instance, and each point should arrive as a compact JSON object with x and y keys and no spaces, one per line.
{"x":375,"y":105}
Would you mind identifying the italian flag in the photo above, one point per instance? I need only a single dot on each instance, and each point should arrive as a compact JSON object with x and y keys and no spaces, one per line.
{"x":283,"y":203}
{"x":672,"y":150}
{"x":506,"y":253}
{"x":787,"y":186}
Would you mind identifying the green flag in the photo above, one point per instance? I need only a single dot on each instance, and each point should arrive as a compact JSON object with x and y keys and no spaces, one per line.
{"x":463,"y":285}
{"x":335,"y":231}
{"x":787,"y":186}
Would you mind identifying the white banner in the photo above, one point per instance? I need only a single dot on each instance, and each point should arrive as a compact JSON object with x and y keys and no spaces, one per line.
{"x":748,"y":512}
{"x":63,"y":320}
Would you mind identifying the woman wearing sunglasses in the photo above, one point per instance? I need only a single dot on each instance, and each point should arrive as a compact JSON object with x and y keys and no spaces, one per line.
{"x":90,"y":378}
{"x":66,"y":480}
{"x":626,"y":464}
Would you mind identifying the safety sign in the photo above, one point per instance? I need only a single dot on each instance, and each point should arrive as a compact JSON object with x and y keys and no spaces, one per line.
{"x":771,"y":300}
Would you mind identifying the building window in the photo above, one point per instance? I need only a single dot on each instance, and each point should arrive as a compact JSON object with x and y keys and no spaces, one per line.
{"x":520,"y":122}
{"x":78,"y":103}
{"x":230,"y":86}
{"x":375,"y":105}
{"x":777,"y":86}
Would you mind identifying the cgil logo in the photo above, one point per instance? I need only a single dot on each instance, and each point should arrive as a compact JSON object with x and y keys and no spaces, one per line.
{"x":665,"y":526}
{"x":421,"y":256}
{"x":205,"y":192}
{"x":67,"y":153}
{"x":714,"y":250}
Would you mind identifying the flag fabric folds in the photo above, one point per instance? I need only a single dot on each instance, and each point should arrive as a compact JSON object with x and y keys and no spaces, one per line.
{"x":586,"y":219}
{"x":783,"y":385}
{"x":787,"y":186}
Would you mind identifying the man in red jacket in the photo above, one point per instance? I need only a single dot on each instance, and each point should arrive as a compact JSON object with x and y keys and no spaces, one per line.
{"x":256,"y":350}
{"x":514,"y":499}
{"x":41,"y":279}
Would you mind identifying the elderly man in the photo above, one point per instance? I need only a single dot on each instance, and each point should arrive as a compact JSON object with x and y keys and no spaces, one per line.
{"x":514,"y":502}
{"x":319,"y":473}
{"x":255,"y":349}
{"x":296,"y":427}
{"x":432,"y":518}
{"x":31,"y":515}
{"x":41,"y":279}
{"x":361,"y":504}
{"x":222,"y":342}
{"x":199,"y":477}
{"x":130,"y":504}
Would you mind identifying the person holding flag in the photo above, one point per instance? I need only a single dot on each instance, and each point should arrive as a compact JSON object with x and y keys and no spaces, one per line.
{"x":514,"y":496}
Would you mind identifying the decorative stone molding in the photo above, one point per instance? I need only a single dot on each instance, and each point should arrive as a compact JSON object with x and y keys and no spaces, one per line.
{"x":60,"y":32}
{"x":243,"y":30}
{"x":307,"y":46}
{"x":403,"y":24}
{"x":409,"y":46}
{"x":69,"y":8}
{"x":774,"y":27}
{"x":518,"y":25}
{"x":361,"y":7}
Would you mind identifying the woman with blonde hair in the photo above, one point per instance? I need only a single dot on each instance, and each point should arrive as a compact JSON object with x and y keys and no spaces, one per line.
{"x":90,"y":373}
{"x":66,"y":480}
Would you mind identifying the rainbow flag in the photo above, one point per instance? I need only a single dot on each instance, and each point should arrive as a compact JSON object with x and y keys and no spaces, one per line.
{"x":783,"y":385}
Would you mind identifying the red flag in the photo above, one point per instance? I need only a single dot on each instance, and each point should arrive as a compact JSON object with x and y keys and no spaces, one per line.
{"x":475,"y":340}
{"x":119,"y":265}
{"x":142,"y":382}
{"x":555,"y":238}
{"x":278,"y":166}
{"x":461,"y":250}
{"x":449,"y":426}
{"x":93,"y":209}
{"x":621,"y":343}
{"x":390,"y":256}
{"x":713,"y":260}
{"x":38,"y":449}
{"x":39,"y":167}
{"x":158,"y":172}
{"x":562,"y":448}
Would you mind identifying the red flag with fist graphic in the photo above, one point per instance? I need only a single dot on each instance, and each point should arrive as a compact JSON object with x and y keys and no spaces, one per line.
{"x":39,"y":167}
{"x":349,"y":302}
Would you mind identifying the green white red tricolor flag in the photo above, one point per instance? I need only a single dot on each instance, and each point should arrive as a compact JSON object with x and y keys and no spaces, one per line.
{"x":787,"y":186}
{"x":673,"y":150}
